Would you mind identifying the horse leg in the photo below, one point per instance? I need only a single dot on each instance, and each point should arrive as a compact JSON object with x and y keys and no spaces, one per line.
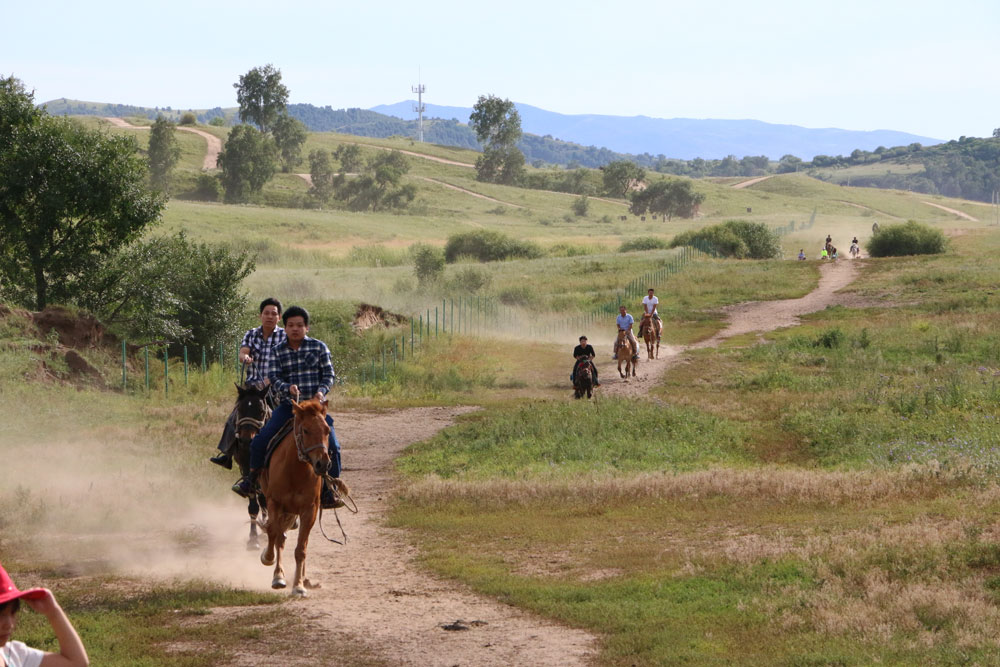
{"x":253,"y":542}
{"x":306,"y":520}
{"x":276,"y":528}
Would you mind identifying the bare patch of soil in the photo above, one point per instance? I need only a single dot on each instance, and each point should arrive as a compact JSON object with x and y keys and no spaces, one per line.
{"x":369,"y":316}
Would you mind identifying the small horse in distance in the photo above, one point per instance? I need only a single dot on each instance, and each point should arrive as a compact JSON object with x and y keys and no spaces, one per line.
{"x":292,"y":483}
{"x":650,"y":331}
{"x":252,"y":411}
{"x":628,"y":353}
{"x":855,"y":250}
{"x":583,"y":382}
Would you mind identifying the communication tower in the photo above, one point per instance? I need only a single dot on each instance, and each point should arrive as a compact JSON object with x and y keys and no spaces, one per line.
{"x":419,"y":108}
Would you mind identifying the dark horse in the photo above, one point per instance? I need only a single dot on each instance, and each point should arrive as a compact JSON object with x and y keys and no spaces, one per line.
{"x":583,"y":379}
{"x":292,"y":482}
{"x":252,"y":411}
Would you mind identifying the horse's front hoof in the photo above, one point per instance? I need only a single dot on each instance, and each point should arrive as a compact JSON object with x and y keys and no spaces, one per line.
{"x":253,"y":544}
{"x":265,"y":560}
{"x":278,"y":583}
{"x":298,"y":591}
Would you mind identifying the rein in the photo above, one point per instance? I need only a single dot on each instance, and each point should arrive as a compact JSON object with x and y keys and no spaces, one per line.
{"x":352,"y":507}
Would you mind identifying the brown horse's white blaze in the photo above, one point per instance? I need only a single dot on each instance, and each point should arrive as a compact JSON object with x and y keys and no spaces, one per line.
{"x":631,"y":359}
{"x":650,"y":329}
{"x":292,"y":487}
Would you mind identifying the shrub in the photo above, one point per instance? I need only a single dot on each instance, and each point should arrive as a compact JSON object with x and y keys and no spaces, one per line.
{"x":516,"y":295}
{"x":218,"y":121}
{"x":488,"y":246}
{"x":643,"y":243}
{"x":735,"y":238}
{"x":581,"y":205}
{"x":911,"y":238}
{"x":830,"y":338}
{"x":208,"y":188}
{"x":428,"y":263}
{"x":469,"y":280}
{"x":188,"y":118}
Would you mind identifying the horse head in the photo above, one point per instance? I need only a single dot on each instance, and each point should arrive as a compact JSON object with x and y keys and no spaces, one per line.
{"x":251,"y":411}
{"x":311,"y":433}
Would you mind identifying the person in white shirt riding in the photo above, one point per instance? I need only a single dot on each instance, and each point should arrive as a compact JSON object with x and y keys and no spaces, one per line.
{"x":649,"y":303}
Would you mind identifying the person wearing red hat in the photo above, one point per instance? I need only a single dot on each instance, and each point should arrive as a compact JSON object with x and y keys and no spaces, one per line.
{"x":17,"y":654}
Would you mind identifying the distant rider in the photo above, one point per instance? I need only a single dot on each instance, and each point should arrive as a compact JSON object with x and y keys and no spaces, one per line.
{"x":802,"y":253}
{"x":584,"y":352}
{"x":625,"y":322}
{"x":301,"y":369}
{"x":257,"y":351}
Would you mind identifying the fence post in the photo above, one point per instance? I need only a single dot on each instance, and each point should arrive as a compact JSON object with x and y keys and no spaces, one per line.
{"x":421,"y":328}
{"x":185,"y":365}
{"x":204,"y":365}
{"x":124,"y":361}
{"x":451,"y":320}
{"x":383,"y":363}
{"x":411,"y":336}
{"x":166,"y":371}
{"x":435,"y":322}
{"x":146,"y":349}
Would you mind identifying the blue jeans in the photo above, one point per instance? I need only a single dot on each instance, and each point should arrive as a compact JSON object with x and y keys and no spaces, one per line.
{"x":281,"y":414}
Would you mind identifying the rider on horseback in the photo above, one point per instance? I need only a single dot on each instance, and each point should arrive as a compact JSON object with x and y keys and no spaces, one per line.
{"x":584,"y":353}
{"x":649,"y":303}
{"x":625,"y":322}
{"x":301,"y":368}
{"x":257,"y":351}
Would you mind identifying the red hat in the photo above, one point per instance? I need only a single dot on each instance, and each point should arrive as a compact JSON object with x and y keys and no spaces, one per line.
{"x":8,"y":591}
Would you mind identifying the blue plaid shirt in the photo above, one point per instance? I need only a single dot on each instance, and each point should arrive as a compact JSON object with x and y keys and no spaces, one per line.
{"x":308,"y":367}
{"x":262,"y":351}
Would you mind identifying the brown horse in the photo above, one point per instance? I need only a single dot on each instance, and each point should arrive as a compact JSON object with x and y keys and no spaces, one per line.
{"x":292,"y":484}
{"x":650,"y":330}
{"x":631,"y":359}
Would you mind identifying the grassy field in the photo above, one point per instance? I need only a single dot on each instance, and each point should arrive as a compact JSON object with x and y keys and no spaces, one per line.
{"x":825,"y":497}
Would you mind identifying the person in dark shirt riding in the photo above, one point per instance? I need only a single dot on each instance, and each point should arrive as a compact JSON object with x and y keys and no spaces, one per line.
{"x":584,"y":352}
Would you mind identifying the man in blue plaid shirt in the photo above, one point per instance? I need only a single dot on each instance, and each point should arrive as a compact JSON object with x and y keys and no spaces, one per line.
{"x":256,"y":350}
{"x":301,"y":369}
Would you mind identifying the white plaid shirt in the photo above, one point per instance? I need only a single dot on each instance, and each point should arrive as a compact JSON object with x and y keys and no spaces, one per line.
{"x":262,"y":352}
{"x":308,"y":367}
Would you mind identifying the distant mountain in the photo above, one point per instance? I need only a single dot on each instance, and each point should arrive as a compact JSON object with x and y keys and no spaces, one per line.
{"x":682,"y":138}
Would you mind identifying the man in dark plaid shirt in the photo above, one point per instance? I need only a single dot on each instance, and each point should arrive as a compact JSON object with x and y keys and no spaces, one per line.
{"x":301,"y":369}
{"x":256,"y":350}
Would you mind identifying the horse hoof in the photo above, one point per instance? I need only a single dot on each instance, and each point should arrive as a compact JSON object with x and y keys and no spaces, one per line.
{"x":253,"y":544}
{"x":298,"y":591}
{"x":278,"y":583}
{"x":265,"y":560}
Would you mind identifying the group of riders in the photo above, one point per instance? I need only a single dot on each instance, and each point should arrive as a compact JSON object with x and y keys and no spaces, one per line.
{"x":584,"y":354}
{"x":288,"y":365}
{"x":829,"y":250}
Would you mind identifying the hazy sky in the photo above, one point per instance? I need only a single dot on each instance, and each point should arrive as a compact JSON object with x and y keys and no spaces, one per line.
{"x":929,"y":68}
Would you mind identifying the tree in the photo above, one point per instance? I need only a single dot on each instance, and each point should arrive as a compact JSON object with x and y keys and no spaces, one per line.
{"x":996,"y":132}
{"x":580,"y":205}
{"x":321,"y":174}
{"x":788,"y":164}
{"x":163,"y":152}
{"x":349,"y":157}
{"x":669,"y":198}
{"x":498,"y":128}
{"x":261,"y":96}
{"x":378,"y":186}
{"x":69,"y":197}
{"x":621,"y":176}
{"x":428,"y":263}
{"x":289,"y":137}
{"x":247,"y":161}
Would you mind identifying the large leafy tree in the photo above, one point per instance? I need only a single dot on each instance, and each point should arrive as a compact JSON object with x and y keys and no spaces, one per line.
{"x":321,"y":174}
{"x":621,"y":176}
{"x":498,"y":128}
{"x":289,"y":137}
{"x":163,"y":152}
{"x":378,"y":186}
{"x":247,"y":162}
{"x":669,"y":198}
{"x":69,"y":198}
{"x":261,"y":96}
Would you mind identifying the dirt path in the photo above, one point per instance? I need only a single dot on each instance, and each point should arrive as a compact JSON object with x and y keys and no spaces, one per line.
{"x":376,"y":594}
{"x":212,"y":150}
{"x":747,"y":184}
{"x":961,"y":214}
{"x":743,"y":318}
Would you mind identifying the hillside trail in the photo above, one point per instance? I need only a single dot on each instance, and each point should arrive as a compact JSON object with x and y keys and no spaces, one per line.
{"x":212,"y":149}
{"x":961,"y":214}
{"x":747,"y":184}
{"x":748,"y":317}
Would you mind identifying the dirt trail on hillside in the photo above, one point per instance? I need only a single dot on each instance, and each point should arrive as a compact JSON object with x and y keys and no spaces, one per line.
{"x":747,"y":184}
{"x":376,"y":594}
{"x":212,"y":150}
{"x":961,"y":214}
{"x":753,"y":316}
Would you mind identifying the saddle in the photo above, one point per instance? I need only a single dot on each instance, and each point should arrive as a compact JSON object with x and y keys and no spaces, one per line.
{"x":276,"y":440}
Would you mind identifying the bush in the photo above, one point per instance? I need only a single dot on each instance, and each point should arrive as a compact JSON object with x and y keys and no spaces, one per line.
{"x":912,"y":238}
{"x":735,"y":238}
{"x":428,"y":263}
{"x":488,"y":246}
{"x":208,"y":188}
{"x":188,"y":118}
{"x":470,"y":280}
{"x":218,"y":121}
{"x":643,"y":243}
{"x":581,"y":205}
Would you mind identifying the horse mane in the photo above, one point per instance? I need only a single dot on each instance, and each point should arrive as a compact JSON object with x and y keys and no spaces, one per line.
{"x":313,"y":406}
